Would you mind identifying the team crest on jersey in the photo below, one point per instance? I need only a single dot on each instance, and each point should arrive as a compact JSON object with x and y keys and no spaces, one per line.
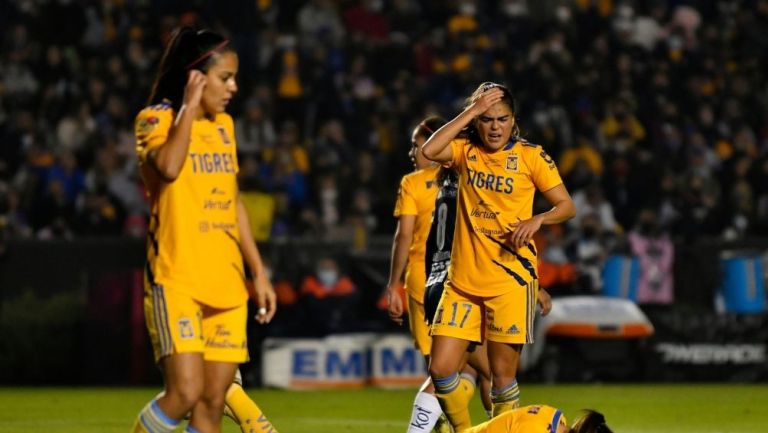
{"x":224,"y":136}
{"x":512,"y":163}
{"x":186,"y":330}
{"x":430,"y":183}
{"x":145,"y":126}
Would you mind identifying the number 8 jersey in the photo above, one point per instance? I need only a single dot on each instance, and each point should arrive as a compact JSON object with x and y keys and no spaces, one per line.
{"x":438,"y":256}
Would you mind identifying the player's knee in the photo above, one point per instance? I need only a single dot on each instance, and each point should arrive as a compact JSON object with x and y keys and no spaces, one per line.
{"x":439,"y":370}
{"x":186,"y":394}
{"x":214,"y":401}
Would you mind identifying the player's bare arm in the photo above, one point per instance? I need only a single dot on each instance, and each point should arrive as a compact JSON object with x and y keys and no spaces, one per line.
{"x":400,"y":246}
{"x":264,"y":293}
{"x":169,"y":158}
{"x":437,"y":146}
{"x":562,"y":210}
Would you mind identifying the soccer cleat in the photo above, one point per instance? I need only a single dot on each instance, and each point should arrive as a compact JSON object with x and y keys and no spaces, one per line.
{"x":442,"y":425}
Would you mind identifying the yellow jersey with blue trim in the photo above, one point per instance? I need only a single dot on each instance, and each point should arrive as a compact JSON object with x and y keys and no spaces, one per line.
{"x":416,"y":196}
{"x":496,"y":189}
{"x":526,"y":419}
{"x":193,"y":243}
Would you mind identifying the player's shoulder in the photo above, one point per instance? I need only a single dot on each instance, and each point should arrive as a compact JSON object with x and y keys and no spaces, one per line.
{"x":531,"y":152}
{"x":155,"y":113}
{"x":423,"y":175}
{"x":161,"y":107}
{"x":525,"y":146}
{"x":152,"y":117}
{"x":462,"y":143}
{"x":225,"y":119}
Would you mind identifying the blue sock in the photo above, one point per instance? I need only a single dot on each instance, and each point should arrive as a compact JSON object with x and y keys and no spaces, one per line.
{"x":154,"y":420}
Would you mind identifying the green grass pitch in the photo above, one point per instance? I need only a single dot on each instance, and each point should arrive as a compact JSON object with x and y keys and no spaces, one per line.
{"x":628,"y":408}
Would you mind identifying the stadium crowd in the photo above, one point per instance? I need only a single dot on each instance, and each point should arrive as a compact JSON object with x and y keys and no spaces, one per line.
{"x":649,"y":107}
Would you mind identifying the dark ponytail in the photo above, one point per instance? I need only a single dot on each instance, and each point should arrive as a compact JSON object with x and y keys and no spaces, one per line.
{"x":590,"y":422}
{"x":188,"y":49}
{"x":426,"y":128}
{"x":429,"y":125}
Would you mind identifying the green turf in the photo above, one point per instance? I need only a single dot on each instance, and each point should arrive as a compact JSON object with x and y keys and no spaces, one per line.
{"x":629,"y":408}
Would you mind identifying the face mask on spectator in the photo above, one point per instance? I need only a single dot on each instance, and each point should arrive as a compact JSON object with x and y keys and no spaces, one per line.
{"x":328,"y":277}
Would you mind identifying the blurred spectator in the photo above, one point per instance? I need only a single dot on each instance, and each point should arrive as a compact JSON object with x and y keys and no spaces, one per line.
{"x":289,"y":321}
{"x":582,"y":164}
{"x":68,"y":176}
{"x":259,"y":205}
{"x":621,"y":128}
{"x":556,"y":272}
{"x":590,"y":252}
{"x":332,"y":151}
{"x":365,"y":20}
{"x":330,"y":299}
{"x":660,"y":102}
{"x":590,"y":201}
{"x":319,"y":24}
{"x":653,"y":247}
{"x":254,"y":130}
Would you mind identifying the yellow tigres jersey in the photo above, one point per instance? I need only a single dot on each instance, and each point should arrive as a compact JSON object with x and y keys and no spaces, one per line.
{"x":418,"y":191}
{"x":526,"y":419}
{"x":496,"y":190}
{"x":193,"y":240}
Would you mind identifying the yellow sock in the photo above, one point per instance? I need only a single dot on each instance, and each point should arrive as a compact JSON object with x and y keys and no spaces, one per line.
{"x":454,"y":394}
{"x":505,"y":399}
{"x":500,"y":408}
{"x":245,"y":412}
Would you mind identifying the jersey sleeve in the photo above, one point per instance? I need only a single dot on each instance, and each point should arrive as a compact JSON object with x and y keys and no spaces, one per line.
{"x":457,"y":147}
{"x":544,"y":172}
{"x":406,"y":198}
{"x":151,"y":129}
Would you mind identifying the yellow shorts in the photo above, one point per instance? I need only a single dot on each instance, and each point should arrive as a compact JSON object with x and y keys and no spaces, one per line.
{"x":506,"y":318}
{"x":419,"y":328}
{"x":179,"y":324}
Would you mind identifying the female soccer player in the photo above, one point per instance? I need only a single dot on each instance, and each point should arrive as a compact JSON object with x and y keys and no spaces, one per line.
{"x":414,"y":209}
{"x":492,"y":288}
{"x":540,"y":419}
{"x":195,"y":292}
{"x":415,"y":201}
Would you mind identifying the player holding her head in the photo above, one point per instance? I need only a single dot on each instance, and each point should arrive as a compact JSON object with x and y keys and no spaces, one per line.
{"x":492,"y":287}
{"x":195,"y":298}
{"x":541,"y":419}
{"x":414,"y":210}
